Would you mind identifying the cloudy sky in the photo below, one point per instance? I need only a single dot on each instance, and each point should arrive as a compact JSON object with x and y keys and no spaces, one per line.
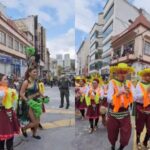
{"x":67,"y":21}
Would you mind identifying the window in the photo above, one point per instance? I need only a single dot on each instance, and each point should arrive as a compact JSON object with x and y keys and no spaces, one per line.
{"x":2,"y":38}
{"x":117,"y":53}
{"x":106,"y":61}
{"x":108,"y":30}
{"x":21,"y":47}
{"x":92,"y":57}
{"x":147,"y":48}
{"x":128,"y":48}
{"x":94,"y":46}
{"x":16,"y":45}
{"x":10,"y":42}
{"x":106,"y":46}
{"x":109,"y":13}
{"x":94,"y":35}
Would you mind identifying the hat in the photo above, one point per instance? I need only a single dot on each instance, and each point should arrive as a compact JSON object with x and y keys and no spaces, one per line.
{"x":121,"y":67}
{"x":144,"y":72}
{"x":83,"y":79}
{"x":77,"y":78}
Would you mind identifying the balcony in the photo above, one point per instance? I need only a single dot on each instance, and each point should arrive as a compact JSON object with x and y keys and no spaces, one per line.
{"x":126,"y":58}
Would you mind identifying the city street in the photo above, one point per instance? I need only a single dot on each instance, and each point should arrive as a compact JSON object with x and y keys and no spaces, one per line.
{"x":97,"y":140}
{"x":59,"y":130}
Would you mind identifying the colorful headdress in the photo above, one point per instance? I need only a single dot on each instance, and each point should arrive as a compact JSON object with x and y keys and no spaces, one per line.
{"x":144,"y":72}
{"x":77,"y":78}
{"x":83,"y":79}
{"x":121,"y":67}
{"x":97,"y":78}
{"x":32,"y":57}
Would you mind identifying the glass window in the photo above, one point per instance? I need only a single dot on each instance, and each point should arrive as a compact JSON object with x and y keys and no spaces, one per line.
{"x":94,"y":35}
{"x":92,"y":57}
{"x":21,"y":47}
{"x":147,"y":48}
{"x":2,"y":37}
{"x":108,"y":30}
{"x":94,"y":46}
{"x":106,"y":46}
{"x":109,"y":13}
{"x":128,"y":48}
{"x":10,"y":42}
{"x":16,"y":45}
{"x":106,"y":61}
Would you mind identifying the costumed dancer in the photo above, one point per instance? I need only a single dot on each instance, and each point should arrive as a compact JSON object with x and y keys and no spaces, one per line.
{"x":77,"y":94}
{"x":82,"y":92}
{"x":30,"y":97}
{"x":9,"y":125}
{"x":143,"y":108}
{"x":103,"y":103}
{"x":92,"y":100}
{"x":120,"y":96}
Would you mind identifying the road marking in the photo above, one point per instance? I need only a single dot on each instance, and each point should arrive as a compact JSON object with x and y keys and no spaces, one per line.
{"x":60,"y":111}
{"x":59,"y":123}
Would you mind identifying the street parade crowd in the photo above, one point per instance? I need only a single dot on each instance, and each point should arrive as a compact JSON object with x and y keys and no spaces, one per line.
{"x":113,"y":101}
{"x":21,"y":109}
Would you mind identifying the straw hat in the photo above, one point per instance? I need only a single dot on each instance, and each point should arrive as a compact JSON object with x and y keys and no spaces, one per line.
{"x":144,"y":72}
{"x":77,"y":78}
{"x":121,"y":67}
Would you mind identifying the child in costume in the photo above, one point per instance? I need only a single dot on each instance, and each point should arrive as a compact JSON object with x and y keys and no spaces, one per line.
{"x":9,"y":125}
{"x":120,"y":96}
{"x":143,"y":108}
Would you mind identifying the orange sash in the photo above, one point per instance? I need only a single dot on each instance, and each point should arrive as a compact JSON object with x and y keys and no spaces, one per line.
{"x":117,"y":100}
{"x":146,"y":96}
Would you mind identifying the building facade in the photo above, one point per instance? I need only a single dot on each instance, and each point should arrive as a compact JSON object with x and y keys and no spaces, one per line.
{"x":117,"y":14}
{"x":67,"y":61}
{"x":30,"y":25}
{"x":95,"y":51}
{"x":82,"y":58}
{"x":132,"y":46}
{"x":59,"y":59}
{"x":12,"y":47}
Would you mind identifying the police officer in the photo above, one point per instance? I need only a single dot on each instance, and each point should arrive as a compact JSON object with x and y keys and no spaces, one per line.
{"x":63,"y":85}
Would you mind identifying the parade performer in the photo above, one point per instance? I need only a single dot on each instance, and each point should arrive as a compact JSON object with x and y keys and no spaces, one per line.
{"x":103,"y":103}
{"x":31,"y":98}
{"x":9,"y":125}
{"x":92,"y":100}
{"x":143,"y":107}
{"x":77,"y":94}
{"x":120,"y":96}
{"x":82,"y":92}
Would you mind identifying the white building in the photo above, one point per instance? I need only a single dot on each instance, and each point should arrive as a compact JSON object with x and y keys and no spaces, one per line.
{"x":82,"y":57}
{"x":67,"y":61}
{"x":117,"y":14}
{"x":95,"y":51}
{"x":59,"y":59}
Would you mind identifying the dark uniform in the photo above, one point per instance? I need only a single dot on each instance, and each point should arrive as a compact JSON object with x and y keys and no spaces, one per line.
{"x":63,"y":85}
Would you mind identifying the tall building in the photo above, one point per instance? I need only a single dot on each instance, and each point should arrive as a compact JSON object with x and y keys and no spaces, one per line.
{"x":132,"y":46}
{"x":96,"y":39}
{"x":59,"y":59}
{"x":12,"y":46}
{"x":67,"y":61}
{"x":117,"y":14}
{"x":82,"y":57}
{"x":30,"y":25}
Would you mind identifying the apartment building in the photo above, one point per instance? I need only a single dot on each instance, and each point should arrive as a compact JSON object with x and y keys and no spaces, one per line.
{"x":12,"y":47}
{"x":82,"y":58}
{"x":117,"y":17}
{"x":95,"y":51}
{"x":132,"y":46}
